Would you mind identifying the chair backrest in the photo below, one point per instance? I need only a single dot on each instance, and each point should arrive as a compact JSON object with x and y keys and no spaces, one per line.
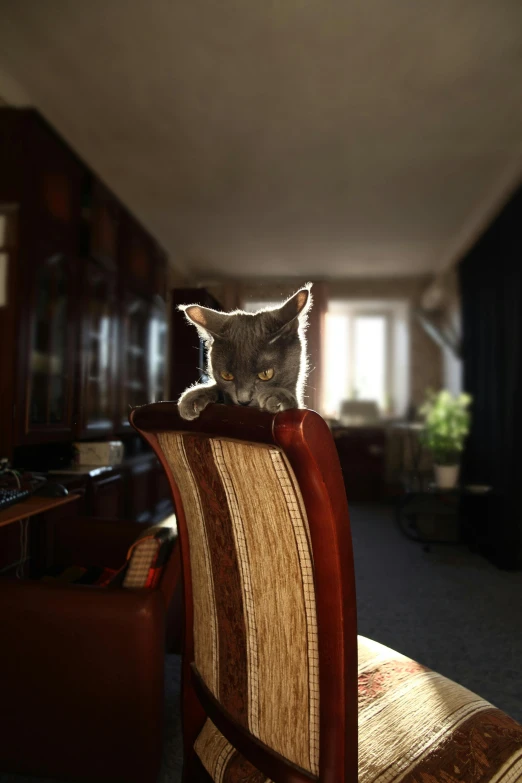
{"x":270,"y":616}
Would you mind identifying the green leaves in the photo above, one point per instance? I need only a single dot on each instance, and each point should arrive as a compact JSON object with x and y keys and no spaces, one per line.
{"x":447,"y":422}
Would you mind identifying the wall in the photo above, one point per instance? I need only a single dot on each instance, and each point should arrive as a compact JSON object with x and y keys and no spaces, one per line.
{"x":452,"y":366}
{"x":426,"y":360}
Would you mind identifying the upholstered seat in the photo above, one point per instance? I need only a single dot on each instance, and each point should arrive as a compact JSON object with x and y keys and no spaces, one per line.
{"x":276,"y":685}
{"x":414,"y":725}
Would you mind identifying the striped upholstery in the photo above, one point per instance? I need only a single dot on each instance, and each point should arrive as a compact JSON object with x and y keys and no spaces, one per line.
{"x":415,"y":726}
{"x":255,"y":640}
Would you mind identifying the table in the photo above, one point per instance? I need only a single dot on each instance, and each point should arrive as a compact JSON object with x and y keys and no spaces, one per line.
{"x":32,"y":545}
{"x":412,"y":430}
{"x":32,"y":506}
{"x":362,"y":454}
{"x":435,"y":503}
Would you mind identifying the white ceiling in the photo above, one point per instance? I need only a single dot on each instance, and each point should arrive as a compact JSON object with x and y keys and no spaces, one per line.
{"x":283,"y":137}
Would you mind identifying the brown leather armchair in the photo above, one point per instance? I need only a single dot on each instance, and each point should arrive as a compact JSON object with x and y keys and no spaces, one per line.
{"x":82,"y":667}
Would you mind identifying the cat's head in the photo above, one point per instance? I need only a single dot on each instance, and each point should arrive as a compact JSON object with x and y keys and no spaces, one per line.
{"x":248,"y":352}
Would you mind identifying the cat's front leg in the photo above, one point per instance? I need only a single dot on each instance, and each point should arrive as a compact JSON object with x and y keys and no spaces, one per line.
{"x":276,"y":399}
{"x":196,"y":399}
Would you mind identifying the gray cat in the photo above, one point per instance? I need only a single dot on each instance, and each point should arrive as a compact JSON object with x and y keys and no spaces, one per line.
{"x":257,"y":359}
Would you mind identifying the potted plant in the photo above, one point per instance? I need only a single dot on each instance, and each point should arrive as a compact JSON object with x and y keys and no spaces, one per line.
{"x":446,"y":427}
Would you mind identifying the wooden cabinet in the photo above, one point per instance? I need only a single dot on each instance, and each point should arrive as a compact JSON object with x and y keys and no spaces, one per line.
{"x":102,"y":215}
{"x":362,"y":453}
{"x":46,"y":377}
{"x":83,"y":323}
{"x":139,"y":491}
{"x":157,"y":352}
{"x":143,"y":321}
{"x":134,"y":361}
{"x":138,"y":257}
{"x":187,"y":351}
{"x":148,"y":494}
{"x":40,"y":196}
{"x":106,"y":496}
{"x":96,"y":392}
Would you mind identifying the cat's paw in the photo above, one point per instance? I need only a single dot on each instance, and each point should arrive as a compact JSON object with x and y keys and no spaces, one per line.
{"x":196,"y":400}
{"x":275,"y":400}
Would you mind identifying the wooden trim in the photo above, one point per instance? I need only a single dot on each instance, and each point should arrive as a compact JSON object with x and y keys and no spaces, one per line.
{"x":270,"y":763}
{"x":31,"y":507}
{"x":307,"y":443}
{"x":193,"y":714}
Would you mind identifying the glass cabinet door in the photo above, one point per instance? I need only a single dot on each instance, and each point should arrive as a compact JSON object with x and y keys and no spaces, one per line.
{"x":49,"y":379}
{"x":157,"y":350}
{"x":98,"y":331}
{"x":134,"y":369}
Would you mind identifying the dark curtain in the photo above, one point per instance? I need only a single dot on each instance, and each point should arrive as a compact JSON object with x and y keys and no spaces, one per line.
{"x":491,"y":290}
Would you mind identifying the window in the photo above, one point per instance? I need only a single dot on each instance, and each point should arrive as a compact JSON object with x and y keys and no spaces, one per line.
{"x":366,"y":355}
{"x":261,"y":304}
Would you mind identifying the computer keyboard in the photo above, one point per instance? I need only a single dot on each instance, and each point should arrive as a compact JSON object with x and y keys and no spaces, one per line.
{"x":10,"y":496}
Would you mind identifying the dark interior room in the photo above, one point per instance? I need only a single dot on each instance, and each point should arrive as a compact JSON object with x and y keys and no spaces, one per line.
{"x":261,"y":319}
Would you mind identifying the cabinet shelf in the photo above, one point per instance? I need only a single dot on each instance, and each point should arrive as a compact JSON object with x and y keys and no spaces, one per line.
{"x":84,"y":325}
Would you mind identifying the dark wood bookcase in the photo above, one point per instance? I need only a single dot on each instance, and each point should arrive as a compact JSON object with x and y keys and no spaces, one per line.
{"x":187,"y":352}
{"x":83,"y":317}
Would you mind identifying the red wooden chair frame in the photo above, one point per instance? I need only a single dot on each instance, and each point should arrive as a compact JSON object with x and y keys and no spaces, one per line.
{"x":306,"y":441}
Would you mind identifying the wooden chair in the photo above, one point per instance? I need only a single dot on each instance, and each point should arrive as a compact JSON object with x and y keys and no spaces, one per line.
{"x":274,"y":679}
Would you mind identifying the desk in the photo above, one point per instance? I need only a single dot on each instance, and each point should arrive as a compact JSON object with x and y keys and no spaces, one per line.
{"x":411,"y":455}
{"x":436,"y":516}
{"x":362,"y":454}
{"x":32,"y":506}
{"x":33,"y":542}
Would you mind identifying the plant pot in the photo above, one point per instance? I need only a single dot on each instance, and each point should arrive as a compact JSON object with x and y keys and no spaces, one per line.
{"x":446,"y":476}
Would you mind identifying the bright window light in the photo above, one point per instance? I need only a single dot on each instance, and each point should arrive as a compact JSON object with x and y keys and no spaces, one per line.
{"x":258,"y":304}
{"x":366,"y":355}
{"x":370,"y":359}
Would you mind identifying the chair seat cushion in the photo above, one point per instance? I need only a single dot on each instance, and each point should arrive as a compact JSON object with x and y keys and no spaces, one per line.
{"x":415,"y":726}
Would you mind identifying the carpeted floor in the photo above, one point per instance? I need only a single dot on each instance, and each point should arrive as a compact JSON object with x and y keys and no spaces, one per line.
{"x":449,"y":609}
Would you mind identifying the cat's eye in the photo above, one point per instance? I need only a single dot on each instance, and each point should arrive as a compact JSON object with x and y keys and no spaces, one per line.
{"x":266,"y":375}
{"x":227,"y":376}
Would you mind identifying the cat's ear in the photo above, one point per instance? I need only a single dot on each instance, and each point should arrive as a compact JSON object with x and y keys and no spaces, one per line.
{"x":293,"y":311}
{"x":207,"y":321}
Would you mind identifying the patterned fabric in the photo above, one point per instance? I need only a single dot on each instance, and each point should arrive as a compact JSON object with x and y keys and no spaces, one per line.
{"x":79,"y":575}
{"x":256,"y":638}
{"x":149,"y":554}
{"x":415,"y":726}
{"x":222,"y":761}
